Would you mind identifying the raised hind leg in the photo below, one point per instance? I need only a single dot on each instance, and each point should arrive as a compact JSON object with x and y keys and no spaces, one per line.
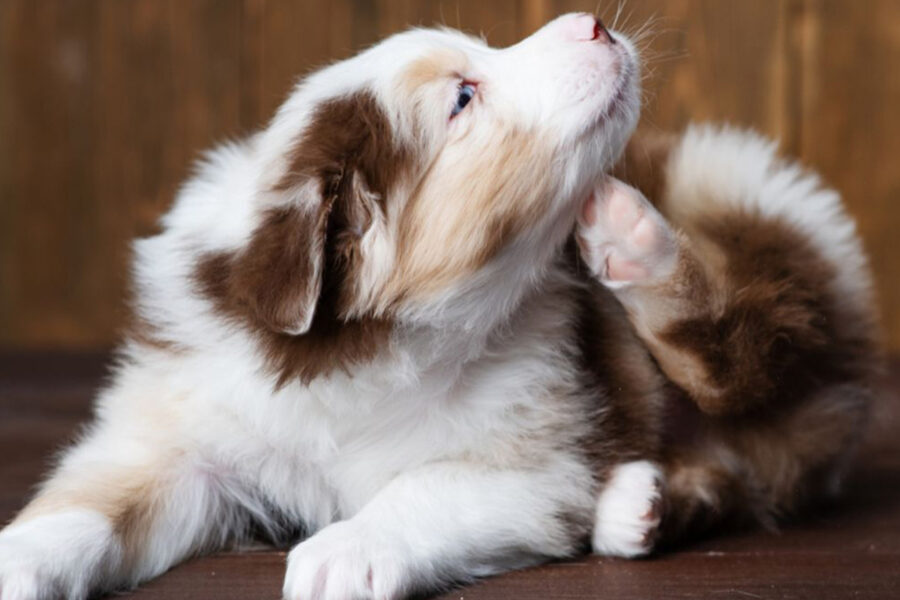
{"x":739,"y":308}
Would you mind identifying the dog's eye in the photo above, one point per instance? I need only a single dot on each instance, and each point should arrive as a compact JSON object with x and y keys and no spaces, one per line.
{"x":464,"y":96}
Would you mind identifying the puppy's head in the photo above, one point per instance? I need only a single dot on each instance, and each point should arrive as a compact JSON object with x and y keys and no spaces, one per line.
{"x":430,"y":167}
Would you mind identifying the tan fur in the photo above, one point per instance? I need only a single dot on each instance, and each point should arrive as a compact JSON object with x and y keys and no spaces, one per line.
{"x":460,"y":218}
{"x":127,"y":496}
{"x":434,"y":67}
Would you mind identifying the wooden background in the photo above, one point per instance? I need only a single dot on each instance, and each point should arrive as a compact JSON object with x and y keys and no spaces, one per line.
{"x":105,"y":103}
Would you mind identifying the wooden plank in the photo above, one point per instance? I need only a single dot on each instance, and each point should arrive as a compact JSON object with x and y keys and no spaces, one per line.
{"x":704,"y":60}
{"x":533,"y":15}
{"x":850,"y":124}
{"x":499,"y":22}
{"x":293,"y":38}
{"x":168,"y":88}
{"x":810,"y":576}
{"x":48,"y":216}
{"x":106,"y":105}
{"x":7,"y":212}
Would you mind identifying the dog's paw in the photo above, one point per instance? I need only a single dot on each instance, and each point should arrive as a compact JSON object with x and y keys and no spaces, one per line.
{"x":20,"y":585}
{"x":20,"y":570}
{"x":344,"y":561}
{"x":622,"y":238}
{"x":55,"y":556}
{"x":629,"y":510}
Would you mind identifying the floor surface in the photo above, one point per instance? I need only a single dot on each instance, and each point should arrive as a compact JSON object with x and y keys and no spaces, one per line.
{"x":847,"y":550}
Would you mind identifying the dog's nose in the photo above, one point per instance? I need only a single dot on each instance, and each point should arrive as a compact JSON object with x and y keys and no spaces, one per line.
{"x":588,"y":28}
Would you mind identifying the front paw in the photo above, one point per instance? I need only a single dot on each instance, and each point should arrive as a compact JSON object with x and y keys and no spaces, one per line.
{"x":55,"y":556}
{"x":20,"y":584}
{"x":20,"y":570}
{"x":629,"y":510}
{"x":623,"y":239}
{"x":344,"y":561}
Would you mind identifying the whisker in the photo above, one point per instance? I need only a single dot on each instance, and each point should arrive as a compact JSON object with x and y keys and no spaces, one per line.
{"x":621,"y":5}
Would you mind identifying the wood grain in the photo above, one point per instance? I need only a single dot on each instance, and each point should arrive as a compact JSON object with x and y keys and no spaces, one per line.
{"x":850,"y":124}
{"x":104,"y":105}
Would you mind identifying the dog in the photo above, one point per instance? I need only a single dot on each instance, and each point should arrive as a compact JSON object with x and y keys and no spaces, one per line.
{"x":415,"y":323}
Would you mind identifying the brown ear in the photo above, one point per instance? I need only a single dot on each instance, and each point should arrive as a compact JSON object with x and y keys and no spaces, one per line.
{"x":300,"y":258}
{"x":279,"y":274}
{"x":293,"y":274}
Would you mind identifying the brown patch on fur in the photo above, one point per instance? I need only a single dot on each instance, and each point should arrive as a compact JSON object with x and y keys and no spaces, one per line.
{"x":275,"y":279}
{"x":757,"y":469}
{"x":333,"y":340}
{"x":301,"y":260}
{"x":351,"y":134}
{"x":775,"y":337}
{"x":644,"y":163}
{"x":630,"y":388}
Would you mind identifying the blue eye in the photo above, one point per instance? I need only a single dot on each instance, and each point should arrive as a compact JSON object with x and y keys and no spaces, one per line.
{"x":466,"y":93}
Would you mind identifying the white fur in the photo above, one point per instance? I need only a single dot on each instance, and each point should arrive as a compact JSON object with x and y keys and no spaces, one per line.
{"x":717,"y":168}
{"x":628,"y":510}
{"x":62,"y":555}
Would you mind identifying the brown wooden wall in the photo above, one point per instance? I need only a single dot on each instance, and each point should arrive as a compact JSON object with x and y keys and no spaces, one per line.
{"x":105,"y":103}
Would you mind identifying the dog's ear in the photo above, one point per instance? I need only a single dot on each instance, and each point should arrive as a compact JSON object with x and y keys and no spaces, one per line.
{"x":294,"y":272}
{"x":279,"y":275}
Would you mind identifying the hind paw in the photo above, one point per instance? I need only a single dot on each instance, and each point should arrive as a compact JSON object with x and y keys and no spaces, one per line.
{"x":623,"y":239}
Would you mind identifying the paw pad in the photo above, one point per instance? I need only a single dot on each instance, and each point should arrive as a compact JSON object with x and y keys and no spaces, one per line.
{"x":623,"y":239}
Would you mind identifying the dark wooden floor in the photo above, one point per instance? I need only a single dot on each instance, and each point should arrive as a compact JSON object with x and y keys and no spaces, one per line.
{"x":848,"y":550}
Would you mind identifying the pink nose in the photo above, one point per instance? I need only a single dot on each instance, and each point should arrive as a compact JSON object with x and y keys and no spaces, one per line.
{"x":587,"y":28}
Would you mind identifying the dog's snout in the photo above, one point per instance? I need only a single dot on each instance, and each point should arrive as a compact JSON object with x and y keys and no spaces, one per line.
{"x":588,"y":28}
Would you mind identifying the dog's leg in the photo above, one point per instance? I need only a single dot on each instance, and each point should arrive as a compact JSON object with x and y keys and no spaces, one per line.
{"x":653,"y":271}
{"x":734,"y":314}
{"x":444,"y":523}
{"x":738,"y":308}
{"x":119,"y":509}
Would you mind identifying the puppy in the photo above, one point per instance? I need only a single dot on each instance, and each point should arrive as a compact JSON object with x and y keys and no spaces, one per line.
{"x":358,"y":325}
{"x":368,"y":326}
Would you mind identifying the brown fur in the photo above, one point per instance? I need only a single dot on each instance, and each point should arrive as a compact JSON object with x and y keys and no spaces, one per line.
{"x":772,"y":371}
{"x":776,"y":334}
{"x":620,"y":367}
{"x":349,"y":153}
{"x":347,"y":135}
{"x":332,"y":343}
